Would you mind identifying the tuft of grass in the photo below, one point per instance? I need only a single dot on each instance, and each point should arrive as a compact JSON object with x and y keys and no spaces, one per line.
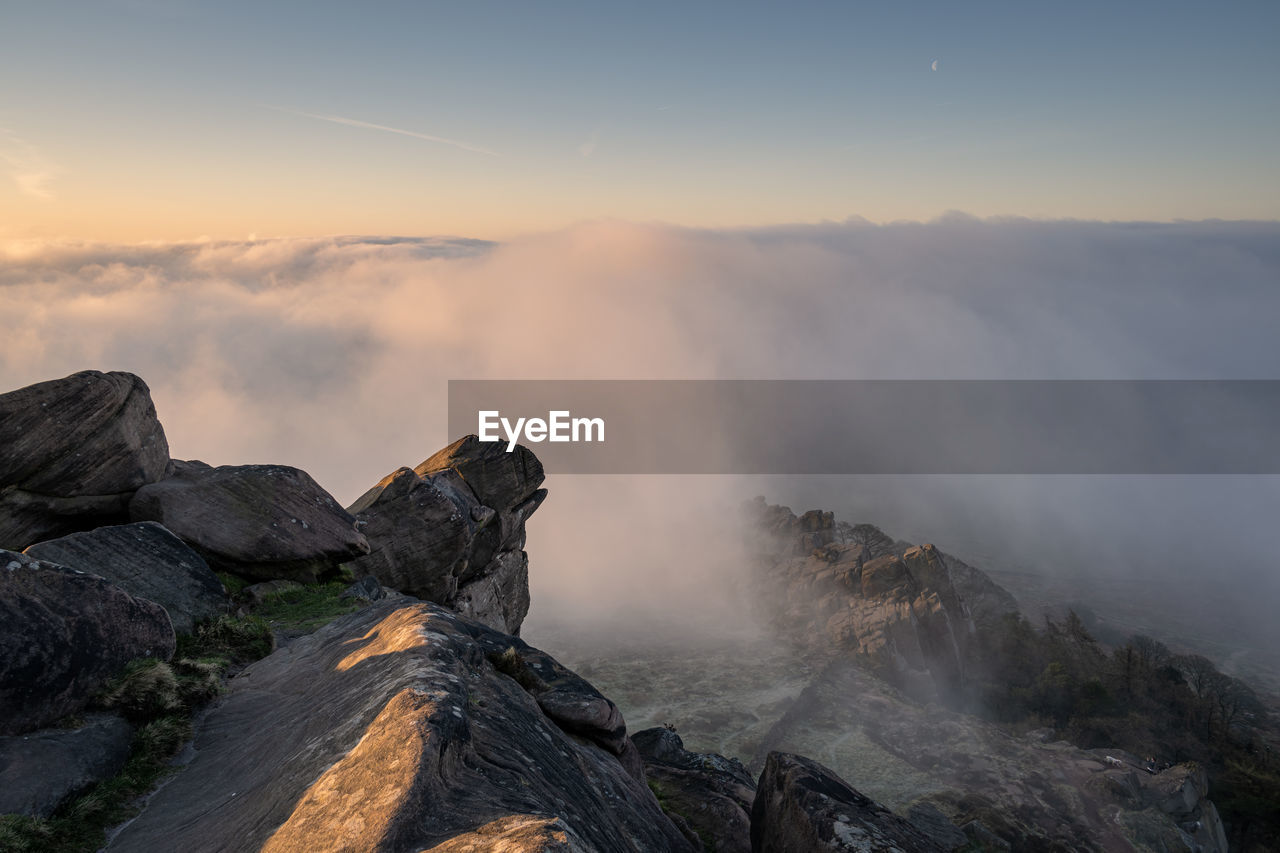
{"x":233,"y":583}
{"x":306,"y":609}
{"x":228,"y":640}
{"x":81,"y":825}
{"x":147,"y":689}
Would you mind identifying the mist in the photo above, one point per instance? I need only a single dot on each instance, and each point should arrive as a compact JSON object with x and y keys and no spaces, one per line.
{"x":333,"y":355}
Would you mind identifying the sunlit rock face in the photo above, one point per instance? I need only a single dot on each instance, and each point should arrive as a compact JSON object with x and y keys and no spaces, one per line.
{"x":72,"y":452}
{"x":406,"y":726}
{"x":452,"y":530}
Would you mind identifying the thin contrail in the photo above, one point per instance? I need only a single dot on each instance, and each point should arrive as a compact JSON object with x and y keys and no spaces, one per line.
{"x":353,"y":122}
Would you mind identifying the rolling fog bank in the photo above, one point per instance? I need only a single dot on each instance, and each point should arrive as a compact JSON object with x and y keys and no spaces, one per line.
{"x":333,"y":355}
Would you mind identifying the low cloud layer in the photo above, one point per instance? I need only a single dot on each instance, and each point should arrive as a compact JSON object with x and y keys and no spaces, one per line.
{"x":333,"y":355}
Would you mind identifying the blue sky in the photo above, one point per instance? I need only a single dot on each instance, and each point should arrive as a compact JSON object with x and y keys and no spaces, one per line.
{"x":147,"y":119}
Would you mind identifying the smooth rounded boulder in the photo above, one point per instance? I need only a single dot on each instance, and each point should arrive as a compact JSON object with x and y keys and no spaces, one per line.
{"x":63,"y":634}
{"x":72,"y":452}
{"x":264,"y":522}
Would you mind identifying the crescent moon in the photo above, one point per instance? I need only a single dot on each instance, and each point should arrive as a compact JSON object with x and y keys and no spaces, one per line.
{"x":934,"y":66}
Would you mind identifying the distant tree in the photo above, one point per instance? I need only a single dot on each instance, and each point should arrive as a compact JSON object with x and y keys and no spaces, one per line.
{"x":1204,"y":680}
{"x":844,"y":532}
{"x":1234,"y":700}
{"x":1077,"y":633}
{"x":1149,"y":654}
{"x":875,"y":540}
{"x":1199,"y":672}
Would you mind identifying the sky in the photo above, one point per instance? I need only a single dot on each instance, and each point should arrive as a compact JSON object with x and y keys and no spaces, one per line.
{"x":135,"y":120}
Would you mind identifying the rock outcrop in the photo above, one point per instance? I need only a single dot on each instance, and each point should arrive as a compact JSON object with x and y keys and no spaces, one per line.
{"x":901,"y":612}
{"x":259,"y":521}
{"x":801,"y":805}
{"x":40,"y":770}
{"x":63,"y":633}
{"x":452,"y":530}
{"x":406,"y":726}
{"x":147,"y":561}
{"x":711,"y":794}
{"x":72,"y":452}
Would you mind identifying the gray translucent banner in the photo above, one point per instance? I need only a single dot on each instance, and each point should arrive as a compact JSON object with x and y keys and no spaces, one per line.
{"x":884,"y":426}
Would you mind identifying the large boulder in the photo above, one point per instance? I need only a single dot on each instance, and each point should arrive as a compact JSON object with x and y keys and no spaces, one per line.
{"x":258,"y":521}
{"x":147,"y":561}
{"x":710,"y":793}
{"x":406,"y":726}
{"x":72,"y":451}
{"x":801,"y":805}
{"x":63,"y":633}
{"x":452,"y":530}
{"x":41,"y":770}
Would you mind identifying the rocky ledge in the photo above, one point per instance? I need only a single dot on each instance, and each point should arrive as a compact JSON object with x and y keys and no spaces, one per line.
{"x":419,"y":722}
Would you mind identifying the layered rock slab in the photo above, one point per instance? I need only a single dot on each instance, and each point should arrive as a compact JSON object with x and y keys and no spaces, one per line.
{"x":260,"y":521}
{"x":63,"y":633}
{"x":407,"y":727}
{"x":147,"y":561}
{"x":72,"y":451}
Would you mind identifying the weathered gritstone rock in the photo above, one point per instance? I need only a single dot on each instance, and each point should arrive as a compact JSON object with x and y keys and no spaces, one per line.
{"x":711,"y":793}
{"x":63,"y":633}
{"x":40,"y":770}
{"x":452,"y":530}
{"x":147,"y":561}
{"x":258,"y":521}
{"x":407,"y":727}
{"x":72,"y":451}
{"x":801,"y":805}
{"x":903,"y":612}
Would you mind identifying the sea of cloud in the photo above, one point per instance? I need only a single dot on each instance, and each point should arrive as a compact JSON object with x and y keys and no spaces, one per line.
{"x":333,"y":355}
